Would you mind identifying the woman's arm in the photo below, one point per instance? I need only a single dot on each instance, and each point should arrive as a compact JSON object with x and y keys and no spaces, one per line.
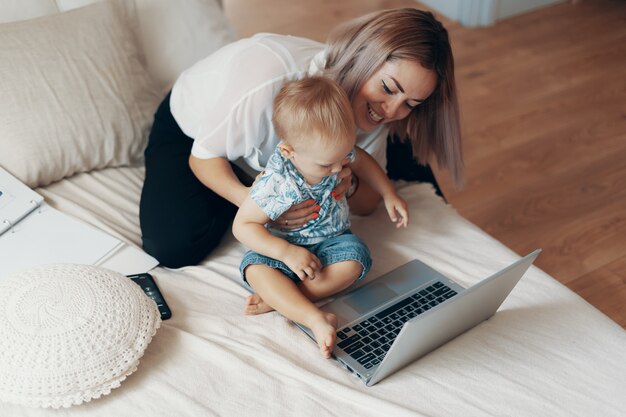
{"x":218,"y":175}
{"x":371,"y":181}
{"x":364,"y":200}
{"x":371,"y":174}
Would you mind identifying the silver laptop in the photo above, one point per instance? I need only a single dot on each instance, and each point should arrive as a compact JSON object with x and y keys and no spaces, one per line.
{"x":410,"y":311}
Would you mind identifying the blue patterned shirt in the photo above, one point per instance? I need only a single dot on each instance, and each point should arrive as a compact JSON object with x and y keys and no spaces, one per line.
{"x":282,"y":186}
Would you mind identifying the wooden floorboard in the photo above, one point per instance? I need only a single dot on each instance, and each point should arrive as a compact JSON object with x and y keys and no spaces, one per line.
{"x":608,"y":279}
{"x":543,"y":101}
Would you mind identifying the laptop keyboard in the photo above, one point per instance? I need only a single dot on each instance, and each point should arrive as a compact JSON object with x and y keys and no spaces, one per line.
{"x":368,"y":341}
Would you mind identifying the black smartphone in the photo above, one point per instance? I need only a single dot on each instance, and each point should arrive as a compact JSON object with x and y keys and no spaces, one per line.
{"x":149,"y":286}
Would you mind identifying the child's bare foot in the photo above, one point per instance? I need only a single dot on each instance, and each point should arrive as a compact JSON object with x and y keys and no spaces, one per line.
{"x":324,"y":328}
{"x":256,"y":305}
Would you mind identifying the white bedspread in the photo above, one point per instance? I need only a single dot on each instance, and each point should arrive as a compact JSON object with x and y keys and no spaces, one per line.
{"x":546,"y":352}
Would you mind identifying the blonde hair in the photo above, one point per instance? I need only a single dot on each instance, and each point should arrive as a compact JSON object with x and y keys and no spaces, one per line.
{"x":313,"y":104}
{"x":360,"y":47}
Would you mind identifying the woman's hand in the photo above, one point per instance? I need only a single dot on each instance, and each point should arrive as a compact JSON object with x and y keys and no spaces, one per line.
{"x":302,"y":262}
{"x":344,"y":179}
{"x":297,"y":215}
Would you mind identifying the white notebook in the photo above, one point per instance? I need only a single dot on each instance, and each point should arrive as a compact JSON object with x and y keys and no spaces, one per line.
{"x":32,"y":234}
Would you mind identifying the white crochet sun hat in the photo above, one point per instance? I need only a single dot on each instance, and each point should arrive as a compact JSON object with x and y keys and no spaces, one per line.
{"x":70,"y":333}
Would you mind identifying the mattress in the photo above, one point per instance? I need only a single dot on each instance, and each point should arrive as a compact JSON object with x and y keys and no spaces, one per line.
{"x":546,"y":352}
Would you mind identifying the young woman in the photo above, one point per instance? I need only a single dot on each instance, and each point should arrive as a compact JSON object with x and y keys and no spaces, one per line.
{"x":213,"y":132}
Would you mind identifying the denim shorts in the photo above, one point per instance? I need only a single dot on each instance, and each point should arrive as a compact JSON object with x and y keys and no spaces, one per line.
{"x":345,"y":247}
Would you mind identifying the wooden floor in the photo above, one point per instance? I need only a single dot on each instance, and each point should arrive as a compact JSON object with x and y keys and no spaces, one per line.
{"x":543,"y":97}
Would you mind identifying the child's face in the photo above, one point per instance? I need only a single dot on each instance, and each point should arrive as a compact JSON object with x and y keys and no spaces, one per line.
{"x":316,"y":160}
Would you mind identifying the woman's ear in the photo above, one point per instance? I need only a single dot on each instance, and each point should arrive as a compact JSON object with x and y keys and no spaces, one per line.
{"x":286,"y":150}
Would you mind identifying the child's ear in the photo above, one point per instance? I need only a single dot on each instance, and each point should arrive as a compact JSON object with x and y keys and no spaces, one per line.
{"x":286,"y":150}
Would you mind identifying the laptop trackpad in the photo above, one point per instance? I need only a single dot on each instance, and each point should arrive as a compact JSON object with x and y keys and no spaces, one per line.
{"x":361,"y":301}
{"x":369,"y":297}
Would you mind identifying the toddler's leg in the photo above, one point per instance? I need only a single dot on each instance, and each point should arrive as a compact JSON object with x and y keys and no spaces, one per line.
{"x":279,"y":292}
{"x":333,"y":278}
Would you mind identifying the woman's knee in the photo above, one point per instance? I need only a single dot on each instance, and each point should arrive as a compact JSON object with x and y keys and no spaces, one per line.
{"x":178,"y":234}
{"x":175,"y":253}
{"x":175,"y":248}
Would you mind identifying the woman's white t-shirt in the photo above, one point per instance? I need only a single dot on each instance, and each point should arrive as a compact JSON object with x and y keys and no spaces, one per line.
{"x":224,"y":102}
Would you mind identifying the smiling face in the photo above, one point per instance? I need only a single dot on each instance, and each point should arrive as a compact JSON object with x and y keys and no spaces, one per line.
{"x":391,"y":93}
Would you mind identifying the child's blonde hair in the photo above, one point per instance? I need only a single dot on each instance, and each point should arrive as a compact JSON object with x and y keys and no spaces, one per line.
{"x":314,"y":104}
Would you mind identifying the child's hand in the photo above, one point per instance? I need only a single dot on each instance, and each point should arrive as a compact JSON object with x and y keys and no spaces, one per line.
{"x":302,"y":262}
{"x":398,"y":209}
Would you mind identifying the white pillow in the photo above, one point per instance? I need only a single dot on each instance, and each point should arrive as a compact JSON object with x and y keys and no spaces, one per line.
{"x":13,"y":10}
{"x":173,"y":34}
{"x":75,"y":95}
{"x":70,"y":333}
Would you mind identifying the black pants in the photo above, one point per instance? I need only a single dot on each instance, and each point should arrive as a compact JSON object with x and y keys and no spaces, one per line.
{"x":402,"y":166}
{"x":182,"y":221}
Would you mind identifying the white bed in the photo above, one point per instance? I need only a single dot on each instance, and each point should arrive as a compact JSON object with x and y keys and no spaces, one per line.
{"x":546,"y":352}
